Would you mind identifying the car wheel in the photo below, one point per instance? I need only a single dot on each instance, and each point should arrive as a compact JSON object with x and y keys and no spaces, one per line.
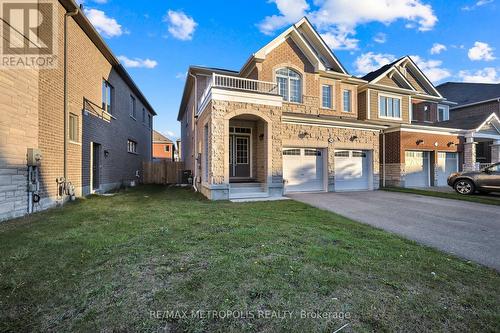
{"x":464,"y":186}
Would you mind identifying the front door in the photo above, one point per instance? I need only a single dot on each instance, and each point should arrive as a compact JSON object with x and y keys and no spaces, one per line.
{"x":95,"y":165}
{"x":239,"y":156}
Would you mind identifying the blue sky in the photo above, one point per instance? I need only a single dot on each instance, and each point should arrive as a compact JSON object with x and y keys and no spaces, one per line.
{"x":157,"y":40}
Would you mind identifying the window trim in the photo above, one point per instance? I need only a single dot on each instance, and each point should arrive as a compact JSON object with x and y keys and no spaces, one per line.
{"x":446,"y":112}
{"x":70,"y":139}
{"x":111,"y":98}
{"x":400,"y":98}
{"x":351,"y":97}
{"x":330,"y":86}
{"x":288,"y":78}
{"x":135,"y":145}
{"x":133,"y":112}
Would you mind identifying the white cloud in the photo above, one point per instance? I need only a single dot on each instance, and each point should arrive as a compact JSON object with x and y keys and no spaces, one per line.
{"x":345,"y":15}
{"x":476,"y":5}
{"x":137,"y":62}
{"x":368,"y":62}
{"x":340,"y":38}
{"x":432,"y":68}
{"x":485,"y":75}
{"x":290,"y":12}
{"x":380,"y":38}
{"x":481,"y":51}
{"x":180,"y":25}
{"x":106,"y":26}
{"x":437,"y":48}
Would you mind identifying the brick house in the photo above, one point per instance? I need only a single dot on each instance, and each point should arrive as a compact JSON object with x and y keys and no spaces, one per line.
{"x":163,"y":147}
{"x":477,"y":106}
{"x":108,"y":122}
{"x":292,"y":119}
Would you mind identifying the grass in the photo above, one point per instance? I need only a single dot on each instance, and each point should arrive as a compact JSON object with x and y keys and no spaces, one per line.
{"x":120,"y":263}
{"x":479,"y":198}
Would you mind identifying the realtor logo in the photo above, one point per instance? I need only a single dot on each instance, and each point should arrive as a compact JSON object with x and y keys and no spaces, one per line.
{"x":28,"y":29}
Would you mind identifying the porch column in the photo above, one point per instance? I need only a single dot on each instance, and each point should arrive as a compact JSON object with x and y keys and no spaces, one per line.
{"x":469,"y":153}
{"x":495,"y":151}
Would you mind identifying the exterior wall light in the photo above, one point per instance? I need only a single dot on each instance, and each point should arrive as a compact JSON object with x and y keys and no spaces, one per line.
{"x":419,"y":141}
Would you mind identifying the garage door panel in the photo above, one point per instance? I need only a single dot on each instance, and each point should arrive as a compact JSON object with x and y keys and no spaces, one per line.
{"x":417,"y":169}
{"x":303,"y":169}
{"x":351,"y":170}
{"x":447,"y":164}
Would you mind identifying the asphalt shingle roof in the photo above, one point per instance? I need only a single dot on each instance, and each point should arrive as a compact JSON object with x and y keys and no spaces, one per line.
{"x":468,"y":93}
{"x":376,"y":73}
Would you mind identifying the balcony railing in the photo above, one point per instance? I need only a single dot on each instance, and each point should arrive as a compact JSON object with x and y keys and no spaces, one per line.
{"x":96,"y":110}
{"x":237,"y":83}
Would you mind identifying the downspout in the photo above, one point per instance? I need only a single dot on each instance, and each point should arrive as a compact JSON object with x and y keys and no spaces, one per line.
{"x":383,"y":158}
{"x":195,"y":120}
{"x":65,"y":88}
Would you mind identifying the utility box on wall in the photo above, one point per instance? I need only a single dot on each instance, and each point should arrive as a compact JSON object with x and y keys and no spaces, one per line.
{"x":34,"y":156}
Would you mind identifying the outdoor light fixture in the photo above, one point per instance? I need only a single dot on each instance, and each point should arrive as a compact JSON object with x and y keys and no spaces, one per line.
{"x":436,"y":144}
{"x":419,"y":141}
{"x":261,"y":137}
{"x":354,"y":137}
{"x":106,"y":153}
{"x":304,"y":134}
{"x":450,"y":143}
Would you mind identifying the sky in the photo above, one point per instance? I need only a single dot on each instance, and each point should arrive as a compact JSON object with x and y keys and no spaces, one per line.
{"x":157,"y":40}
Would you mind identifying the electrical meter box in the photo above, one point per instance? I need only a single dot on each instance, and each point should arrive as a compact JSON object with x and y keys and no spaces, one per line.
{"x":34,"y":156}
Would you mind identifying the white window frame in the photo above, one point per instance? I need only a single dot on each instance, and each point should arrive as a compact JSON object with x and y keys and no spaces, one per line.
{"x":131,"y":146}
{"x":289,"y":86}
{"x":446,"y":112}
{"x":133,"y":107}
{"x":107,"y":88}
{"x":330,"y":88}
{"x":76,"y":129}
{"x":393,"y":97}
{"x":350,"y":100}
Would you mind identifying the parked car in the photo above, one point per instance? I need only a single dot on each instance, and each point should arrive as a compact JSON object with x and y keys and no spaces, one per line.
{"x":468,"y":182}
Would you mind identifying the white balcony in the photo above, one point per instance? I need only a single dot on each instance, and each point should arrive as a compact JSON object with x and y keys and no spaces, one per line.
{"x":238,"y":84}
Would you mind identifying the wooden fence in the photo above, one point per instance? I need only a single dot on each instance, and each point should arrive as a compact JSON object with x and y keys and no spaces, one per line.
{"x":163,"y":172}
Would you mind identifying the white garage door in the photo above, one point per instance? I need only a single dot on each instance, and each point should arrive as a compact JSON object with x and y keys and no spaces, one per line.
{"x":303,"y":169}
{"x":352,"y":170}
{"x":417,"y":169}
{"x":447,"y":164}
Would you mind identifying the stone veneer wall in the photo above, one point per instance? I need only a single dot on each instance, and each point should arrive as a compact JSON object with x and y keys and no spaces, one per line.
{"x":318,"y":137}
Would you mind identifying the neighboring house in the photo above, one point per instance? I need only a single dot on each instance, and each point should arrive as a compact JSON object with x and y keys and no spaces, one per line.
{"x":163,"y":147}
{"x":109,"y":121}
{"x":178,"y":151}
{"x":415,"y":150}
{"x":477,"y":104}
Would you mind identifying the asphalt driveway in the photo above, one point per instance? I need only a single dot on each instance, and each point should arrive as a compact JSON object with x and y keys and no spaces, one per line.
{"x":466,"y":229}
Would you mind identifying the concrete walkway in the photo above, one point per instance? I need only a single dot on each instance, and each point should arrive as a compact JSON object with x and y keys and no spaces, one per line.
{"x":466,"y":229}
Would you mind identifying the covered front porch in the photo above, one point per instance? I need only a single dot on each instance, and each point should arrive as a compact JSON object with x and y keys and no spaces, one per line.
{"x":482,"y":145}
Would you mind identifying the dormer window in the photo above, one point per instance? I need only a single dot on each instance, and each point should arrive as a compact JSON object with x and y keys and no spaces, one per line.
{"x":443,"y":112}
{"x":289,"y":85}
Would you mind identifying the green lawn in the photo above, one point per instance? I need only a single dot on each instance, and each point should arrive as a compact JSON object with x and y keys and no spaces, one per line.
{"x":108,"y":263}
{"x":479,"y":198}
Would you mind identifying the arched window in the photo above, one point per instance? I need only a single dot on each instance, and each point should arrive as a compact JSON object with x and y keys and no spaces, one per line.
{"x":289,"y":84}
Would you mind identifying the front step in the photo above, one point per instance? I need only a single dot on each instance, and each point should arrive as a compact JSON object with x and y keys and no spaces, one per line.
{"x":247,"y":190}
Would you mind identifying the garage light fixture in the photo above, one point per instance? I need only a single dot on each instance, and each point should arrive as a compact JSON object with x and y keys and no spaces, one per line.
{"x":451,"y":143}
{"x":354,"y":137}
{"x":419,"y":141}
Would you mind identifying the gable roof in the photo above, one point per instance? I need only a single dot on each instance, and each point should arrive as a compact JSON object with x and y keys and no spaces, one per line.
{"x":469,"y":93}
{"x":310,"y":43}
{"x":403,"y":61}
{"x":160,"y":138}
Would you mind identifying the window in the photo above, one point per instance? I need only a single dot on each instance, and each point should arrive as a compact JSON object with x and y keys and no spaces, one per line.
{"x":132,"y":146}
{"x":427,"y":113}
{"x":107,"y":97}
{"x":73,"y":128}
{"x":289,"y":85}
{"x":132,"y":107}
{"x":389,"y":107}
{"x":150,"y":121}
{"x":312,"y":152}
{"x":167,"y":148}
{"x":290,"y":152}
{"x":326,"y":96}
{"x":143,"y":115}
{"x":342,"y":153}
{"x":443,"y":112}
{"x":347,"y":100}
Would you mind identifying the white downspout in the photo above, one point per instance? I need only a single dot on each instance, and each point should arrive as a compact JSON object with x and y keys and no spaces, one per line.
{"x":195,"y":123}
